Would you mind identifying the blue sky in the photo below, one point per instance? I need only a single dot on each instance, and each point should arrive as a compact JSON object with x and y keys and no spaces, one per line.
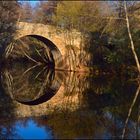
{"x":32,"y":2}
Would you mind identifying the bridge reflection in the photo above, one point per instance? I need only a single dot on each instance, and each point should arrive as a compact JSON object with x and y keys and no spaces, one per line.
{"x":49,"y":90}
{"x":30,"y":85}
{"x":96,"y":104}
{"x":35,"y":84}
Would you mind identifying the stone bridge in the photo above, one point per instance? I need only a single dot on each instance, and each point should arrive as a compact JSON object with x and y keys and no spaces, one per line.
{"x":55,"y":39}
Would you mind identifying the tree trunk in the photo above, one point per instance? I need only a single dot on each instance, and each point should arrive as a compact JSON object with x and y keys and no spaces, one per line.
{"x":130,"y":37}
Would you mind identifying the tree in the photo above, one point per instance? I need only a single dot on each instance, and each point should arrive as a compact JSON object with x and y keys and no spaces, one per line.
{"x":130,"y":37}
{"x":44,"y":12}
{"x":8,"y":17}
{"x":26,"y":12}
{"x":80,"y":15}
{"x":118,"y":32}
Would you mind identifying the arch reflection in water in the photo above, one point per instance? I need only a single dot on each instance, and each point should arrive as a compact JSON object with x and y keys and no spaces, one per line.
{"x":30,"y":85}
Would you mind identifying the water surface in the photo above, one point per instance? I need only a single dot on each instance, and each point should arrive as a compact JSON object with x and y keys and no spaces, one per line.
{"x":37,"y":102}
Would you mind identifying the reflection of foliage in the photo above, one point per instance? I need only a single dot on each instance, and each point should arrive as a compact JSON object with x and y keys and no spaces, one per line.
{"x":99,"y":84}
{"x":27,"y":84}
{"x":7,"y":110}
{"x":8,"y":127}
{"x":107,"y":96}
{"x":24,"y":85}
{"x":111,"y":90}
{"x":101,"y":101}
{"x":85,"y":123}
{"x":74,"y":125}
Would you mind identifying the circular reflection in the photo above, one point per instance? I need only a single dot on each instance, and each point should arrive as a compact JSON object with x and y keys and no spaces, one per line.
{"x":30,"y":85}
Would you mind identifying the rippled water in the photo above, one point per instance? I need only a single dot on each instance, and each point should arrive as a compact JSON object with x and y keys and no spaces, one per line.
{"x":36,"y":102}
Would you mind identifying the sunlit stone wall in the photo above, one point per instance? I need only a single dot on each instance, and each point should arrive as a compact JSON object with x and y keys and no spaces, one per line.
{"x":58,"y":37}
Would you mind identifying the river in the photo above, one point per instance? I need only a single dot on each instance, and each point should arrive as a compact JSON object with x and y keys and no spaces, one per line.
{"x":37,"y":102}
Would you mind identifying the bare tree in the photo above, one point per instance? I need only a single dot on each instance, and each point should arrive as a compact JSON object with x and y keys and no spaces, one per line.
{"x":44,"y":12}
{"x":26,"y":12}
{"x":130,"y":37}
{"x":8,"y":17}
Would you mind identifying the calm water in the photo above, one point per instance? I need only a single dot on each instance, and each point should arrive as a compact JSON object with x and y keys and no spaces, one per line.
{"x":36,"y":102}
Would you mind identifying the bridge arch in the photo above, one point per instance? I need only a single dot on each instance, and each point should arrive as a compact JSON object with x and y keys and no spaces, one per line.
{"x":56,"y":54}
{"x":54,"y":36}
{"x":54,"y":51}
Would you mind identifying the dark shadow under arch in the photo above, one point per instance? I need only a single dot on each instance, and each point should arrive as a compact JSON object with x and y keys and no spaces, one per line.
{"x":44,"y":98}
{"x":49,"y":87}
{"x":54,"y":50}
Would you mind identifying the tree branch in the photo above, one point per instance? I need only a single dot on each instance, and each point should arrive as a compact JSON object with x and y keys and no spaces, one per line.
{"x":130,"y":37}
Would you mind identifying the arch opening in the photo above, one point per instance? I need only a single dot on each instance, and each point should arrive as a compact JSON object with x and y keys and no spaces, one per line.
{"x":51,"y":51}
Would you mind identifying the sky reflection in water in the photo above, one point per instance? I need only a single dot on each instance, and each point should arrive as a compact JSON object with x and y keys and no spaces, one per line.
{"x":31,"y":130}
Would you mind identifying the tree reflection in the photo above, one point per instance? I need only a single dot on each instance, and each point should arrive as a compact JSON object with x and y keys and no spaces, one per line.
{"x":27,"y":84}
{"x":91,"y":106}
{"x":97,"y":115}
{"x":130,"y":110}
{"x":7,"y":109}
{"x":30,"y":85}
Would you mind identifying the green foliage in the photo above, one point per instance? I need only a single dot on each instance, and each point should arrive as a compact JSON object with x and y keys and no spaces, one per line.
{"x":79,"y":15}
